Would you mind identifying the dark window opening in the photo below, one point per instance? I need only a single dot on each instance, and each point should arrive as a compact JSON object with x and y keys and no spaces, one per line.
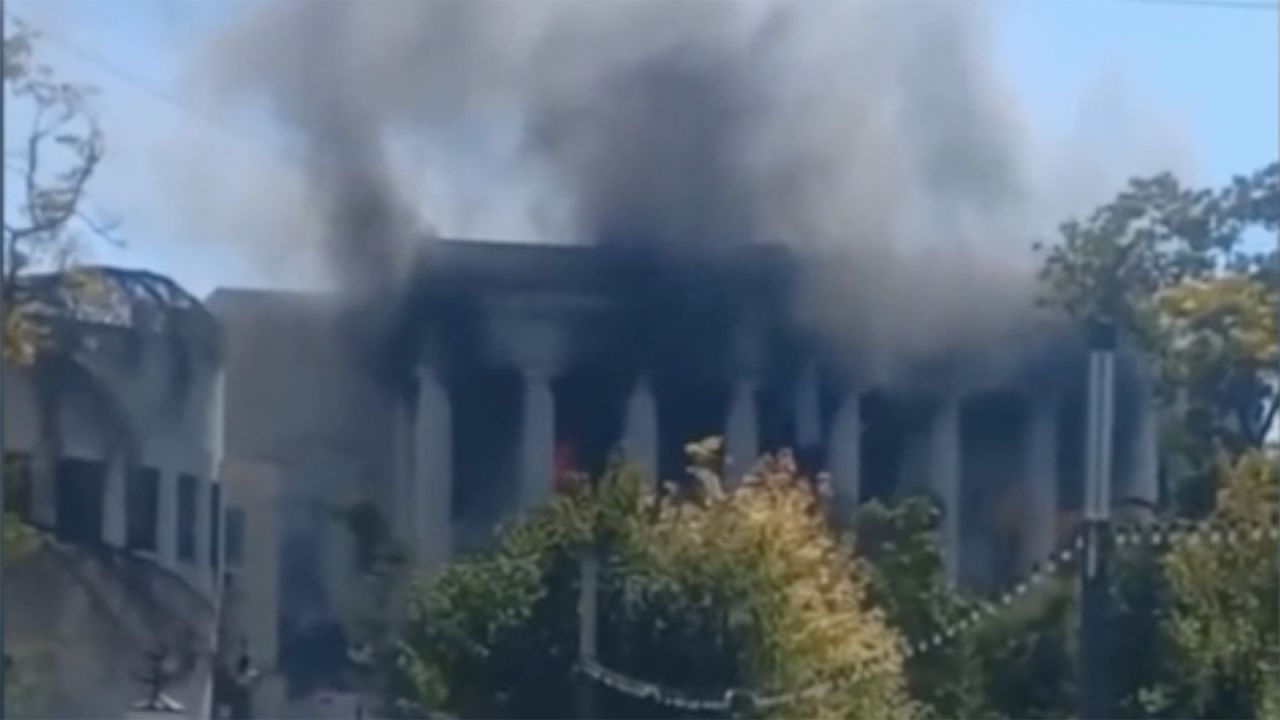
{"x":486,"y":432}
{"x":1071,"y":467}
{"x":187,"y":486}
{"x":235,"y":536}
{"x":775,"y":415}
{"x":690,"y":409}
{"x":215,"y":523}
{"x":992,"y":447}
{"x":589,"y":422}
{"x":142,"y":502}
{"x":883,"y":446}
{"x":18,"y":484}
{"x":80,"y":485}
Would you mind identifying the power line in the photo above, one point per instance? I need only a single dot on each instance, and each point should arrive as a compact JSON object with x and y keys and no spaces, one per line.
{"x":1264,"y":5}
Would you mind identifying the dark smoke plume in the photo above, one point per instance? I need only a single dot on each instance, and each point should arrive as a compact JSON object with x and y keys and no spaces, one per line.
{"x":872,"y":136}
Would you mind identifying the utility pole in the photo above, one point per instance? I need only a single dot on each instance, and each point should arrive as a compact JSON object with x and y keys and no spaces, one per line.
{"x":4,"y":252}
{"x":588,"y":607}
{"x":1095,"y":600}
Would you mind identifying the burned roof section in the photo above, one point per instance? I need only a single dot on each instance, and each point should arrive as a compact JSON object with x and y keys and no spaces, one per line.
{"x":126,"y":299}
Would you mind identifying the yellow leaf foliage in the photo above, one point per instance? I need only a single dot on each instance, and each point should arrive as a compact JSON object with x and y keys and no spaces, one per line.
{"x":1223,"y":623}
{"x":757,"y":557}
{"x":21,"y":337}
{"x":1238,"y":310}
{"x":763,"y":550}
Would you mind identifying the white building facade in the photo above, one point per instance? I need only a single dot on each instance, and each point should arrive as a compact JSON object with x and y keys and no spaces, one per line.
{"x":463,"y":402}
{"x":113,"y":449}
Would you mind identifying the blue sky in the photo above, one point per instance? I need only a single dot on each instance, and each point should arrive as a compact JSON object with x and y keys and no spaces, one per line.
{"x":1193,"y":89}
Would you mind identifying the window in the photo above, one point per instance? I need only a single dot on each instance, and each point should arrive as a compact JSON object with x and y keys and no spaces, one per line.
{"x":187,"y":486}
{"x":235,"y":536}
{"x":80,"y":485}
{"x":17,"y":484}
{"x":215,"y":522}
{"x":142,"y":506}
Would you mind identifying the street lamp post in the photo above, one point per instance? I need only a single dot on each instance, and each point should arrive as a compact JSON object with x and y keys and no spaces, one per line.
{"x":1095,"y":600}
{"x":588,"y":609}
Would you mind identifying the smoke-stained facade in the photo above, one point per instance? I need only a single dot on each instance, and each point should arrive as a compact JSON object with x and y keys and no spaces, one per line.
{"x":508,"y":366}
{"x":800,"y":225}
{"x":113,"y":451}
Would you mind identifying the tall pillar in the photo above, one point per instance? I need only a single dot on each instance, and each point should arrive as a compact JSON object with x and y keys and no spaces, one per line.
{"x":640,"y":430}
{"x":200,"y":567}
{"x":400,"y":507}
{"x":537,"y":439}
{"x":944,"y":478}
{"x":114,"y":505}
{"x":1143,"y":483}
{"x":406,"y":481}
{"x":742,"y":432}
{"x":432,"y":483}
{"x":1039,"y":532}
{"x":844,"y":455}
{"x":807,"y":413}
{"x":167,"y":519}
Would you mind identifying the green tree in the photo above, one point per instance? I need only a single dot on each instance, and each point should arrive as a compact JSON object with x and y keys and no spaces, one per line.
{"x":1221,"y":625}
{"x":898,"y":546}
{"x":1018,"y":664}
{"x":1172,"y":267}
{"x":702,"y":588}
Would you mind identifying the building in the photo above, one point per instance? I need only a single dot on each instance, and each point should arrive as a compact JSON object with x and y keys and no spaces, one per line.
{"x":249,"y":638}
{"x":453,"y":403}
{"x":112,"y":450}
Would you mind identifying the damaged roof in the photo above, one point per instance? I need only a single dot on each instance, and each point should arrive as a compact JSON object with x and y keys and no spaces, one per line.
{"x":116,"y":297}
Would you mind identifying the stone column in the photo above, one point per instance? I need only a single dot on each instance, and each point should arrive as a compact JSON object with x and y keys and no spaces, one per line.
{"x":640,"y":430}
{"x":114,"y":505}
{"x":432,"y":484}
{"x":217,"y":421}
{"x":537,"y":439}
{"x":1039,"y":531}
{"x":167,"y":518}
{"x":844,"y":456}
{"x":742,"y":431}
{"x":945,"y":472}
{"x":402,"y":487}
{"x":1143,"y":483}
{"x":807,"y":413}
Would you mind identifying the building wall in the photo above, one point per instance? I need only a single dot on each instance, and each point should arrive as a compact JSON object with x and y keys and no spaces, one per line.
{"x":132,"y":409}
{"x":87,"y":608}
{"x":503,"y":353}
{"x":300,"y":404}
{"x":251,"y":599}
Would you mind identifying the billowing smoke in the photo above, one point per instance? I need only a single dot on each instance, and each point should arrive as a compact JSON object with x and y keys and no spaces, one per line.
{"x":872,"y":135}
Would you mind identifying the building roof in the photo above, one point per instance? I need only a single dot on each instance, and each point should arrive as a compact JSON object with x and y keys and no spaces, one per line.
{"x":511,"y":265}
{"x":116,"y":297}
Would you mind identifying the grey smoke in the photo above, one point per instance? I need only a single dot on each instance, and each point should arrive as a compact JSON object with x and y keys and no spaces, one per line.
{"x":873,"y":135}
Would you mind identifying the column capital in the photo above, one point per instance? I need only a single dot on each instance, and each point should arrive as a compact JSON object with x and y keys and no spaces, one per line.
{"x":429,"y":371}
